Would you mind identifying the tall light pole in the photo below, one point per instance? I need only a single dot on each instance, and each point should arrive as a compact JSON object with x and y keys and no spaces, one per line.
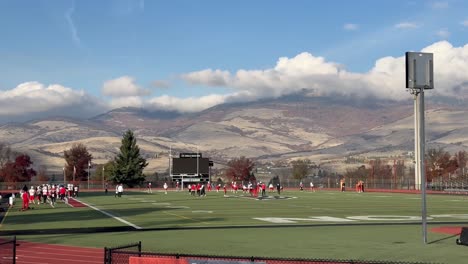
{"x":64,"y":177}
{"x":89,"y":165}
{"x":419,"y":77}
{"x":103,"y":185}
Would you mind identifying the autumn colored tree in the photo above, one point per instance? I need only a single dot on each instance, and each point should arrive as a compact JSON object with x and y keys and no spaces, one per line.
{"x":300,"y":168}
{"x":240,"y":169}
{"x":462,"y":160}
{"x":382,"y":169}
{"x":18,"y":171}
{"x":8,"y":172}
{"x":129,"y":164}
{"x":357,"y":174}
{"x":439,"y":163}
{"x":42,"y":173}
{"x":76,"y":162}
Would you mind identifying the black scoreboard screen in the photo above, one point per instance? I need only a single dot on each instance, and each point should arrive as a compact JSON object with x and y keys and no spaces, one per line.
{"x":189,"y":165}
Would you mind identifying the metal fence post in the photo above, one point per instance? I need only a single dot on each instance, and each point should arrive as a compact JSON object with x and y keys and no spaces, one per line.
{"x":106,"y":255}
{"x":139,"y":248}
{"x":14,"y":249}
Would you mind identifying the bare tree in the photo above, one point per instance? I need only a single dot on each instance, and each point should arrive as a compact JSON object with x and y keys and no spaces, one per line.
{"x":300,"y":168}
{"x":6,"y":154}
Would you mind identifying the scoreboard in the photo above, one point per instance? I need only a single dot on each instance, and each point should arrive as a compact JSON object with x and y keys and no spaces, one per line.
{"x":191,"y":167}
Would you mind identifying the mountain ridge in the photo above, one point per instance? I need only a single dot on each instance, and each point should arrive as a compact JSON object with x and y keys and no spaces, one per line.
{"x":276,"y":129}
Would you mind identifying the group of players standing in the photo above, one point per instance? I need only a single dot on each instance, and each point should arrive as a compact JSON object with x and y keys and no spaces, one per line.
{"x":46,"y":193}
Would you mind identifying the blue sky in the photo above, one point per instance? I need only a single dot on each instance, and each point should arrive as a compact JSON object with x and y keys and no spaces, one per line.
{"x":190,"y":55}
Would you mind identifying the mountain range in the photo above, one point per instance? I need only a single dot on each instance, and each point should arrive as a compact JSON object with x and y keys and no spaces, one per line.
{"x":296,"y":126}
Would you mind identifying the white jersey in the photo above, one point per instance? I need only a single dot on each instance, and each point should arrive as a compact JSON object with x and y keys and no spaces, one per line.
{"x":32,"y":192}
{"x":165,"y":186}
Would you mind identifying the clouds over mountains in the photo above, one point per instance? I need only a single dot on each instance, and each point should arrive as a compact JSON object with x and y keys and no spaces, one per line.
{"x":31,"y":100}
{"x":385,"y":80}
{"x":289,"y":75}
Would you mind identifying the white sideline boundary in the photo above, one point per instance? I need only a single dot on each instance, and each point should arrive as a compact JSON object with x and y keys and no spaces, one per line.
{"x":111,"y":215}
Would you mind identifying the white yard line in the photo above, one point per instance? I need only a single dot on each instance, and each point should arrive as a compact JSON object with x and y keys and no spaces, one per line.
{"x":111,"y":215}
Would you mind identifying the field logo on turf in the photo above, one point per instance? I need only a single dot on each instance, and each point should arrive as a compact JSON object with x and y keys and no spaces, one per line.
{"x":292,"y":220}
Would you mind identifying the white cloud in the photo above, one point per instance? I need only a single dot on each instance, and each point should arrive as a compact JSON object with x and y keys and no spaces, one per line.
{"x":161,"y":84}
{"x":385,"y":80}
{"x":192,"y":104}
{"x":133,"y":101}
{"x":443,"y":33}
{"x":465,"y":23}
{"x":34,"y":98}
{"x":73,"y":30}
{"x":123,"y":87}
{"x":207,"y":77}
{"x":350,"y":27}
{"x":315,"y":74}
{"x":406,"y":25}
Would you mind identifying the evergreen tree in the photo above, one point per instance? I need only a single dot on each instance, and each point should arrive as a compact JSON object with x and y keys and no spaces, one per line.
{"x":129,"y":165}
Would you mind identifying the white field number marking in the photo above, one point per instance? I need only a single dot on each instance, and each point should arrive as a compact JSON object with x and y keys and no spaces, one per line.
{"x":291,"y":220}
{"x":287,"y":220}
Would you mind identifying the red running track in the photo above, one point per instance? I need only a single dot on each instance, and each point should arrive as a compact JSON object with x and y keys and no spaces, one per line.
{"x":31,"y":252}
{"x":74,"y":203}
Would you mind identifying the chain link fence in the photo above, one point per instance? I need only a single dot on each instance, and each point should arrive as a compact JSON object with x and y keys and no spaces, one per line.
{"x":8,"y":250}
{"x":132,"y":253}
{"x":121,"y":254}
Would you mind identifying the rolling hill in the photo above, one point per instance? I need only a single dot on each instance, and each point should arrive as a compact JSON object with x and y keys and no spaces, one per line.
{"x":318,"y":128}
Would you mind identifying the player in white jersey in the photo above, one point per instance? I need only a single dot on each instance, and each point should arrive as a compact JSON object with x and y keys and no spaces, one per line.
{"x":32,"y":195}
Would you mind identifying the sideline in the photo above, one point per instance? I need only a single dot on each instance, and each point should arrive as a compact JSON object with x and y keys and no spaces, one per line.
{"x":110,"y":215}
{"x":4,"y":215}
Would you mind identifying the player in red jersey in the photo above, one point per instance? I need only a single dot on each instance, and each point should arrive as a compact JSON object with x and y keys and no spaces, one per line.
{"x":263,"y":186}
{"x":25,"y":197}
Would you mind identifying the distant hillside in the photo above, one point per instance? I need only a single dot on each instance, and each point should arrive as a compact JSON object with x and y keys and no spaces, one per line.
{"x":290,"y":127}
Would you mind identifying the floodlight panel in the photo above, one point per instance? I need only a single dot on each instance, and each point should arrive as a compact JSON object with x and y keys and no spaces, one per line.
{"x":419,"y":70}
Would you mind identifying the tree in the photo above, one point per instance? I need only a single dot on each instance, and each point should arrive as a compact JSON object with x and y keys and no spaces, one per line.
{"x":439,"y":163}
{"x":42,"y":173}
{"x":240,"y":169}
{"x":357,"y":174}
{"x":129,"y":163}
{"x":77,"y":159}
{"x":6,"y":154}
{"x":104,"y":169}
{"x":461,"y":158}
{"x":300,"y":168}
{"x":19,"y":170}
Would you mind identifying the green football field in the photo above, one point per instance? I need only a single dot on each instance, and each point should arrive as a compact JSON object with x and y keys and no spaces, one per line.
{"x":322,"y":224}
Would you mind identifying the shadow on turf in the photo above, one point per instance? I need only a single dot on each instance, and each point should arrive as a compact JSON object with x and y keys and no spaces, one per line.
{"x":442,"y":239}
{"x":130,"y":229}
